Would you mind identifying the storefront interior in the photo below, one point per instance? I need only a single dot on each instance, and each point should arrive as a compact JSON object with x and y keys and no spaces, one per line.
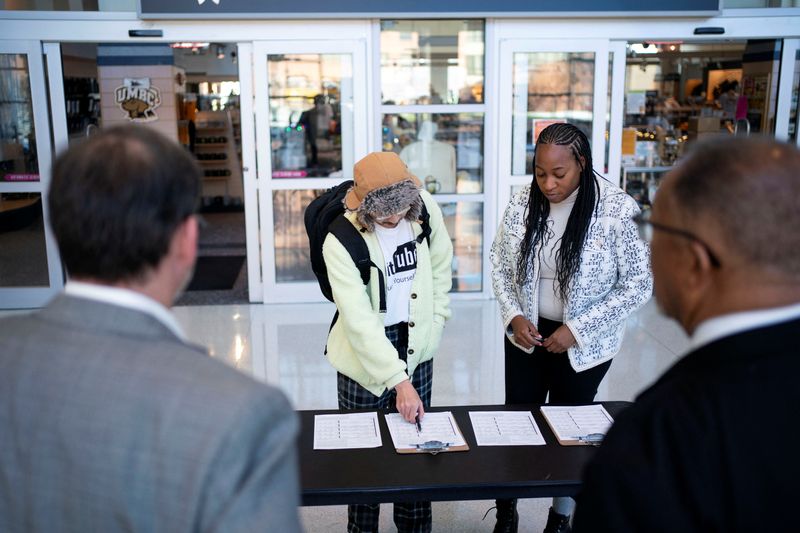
{"x":460,"y":100}
{"x":678,"y":92}
{"x":190,"y":90}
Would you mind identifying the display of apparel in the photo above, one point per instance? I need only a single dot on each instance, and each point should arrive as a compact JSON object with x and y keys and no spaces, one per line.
{"x":432,"y":161}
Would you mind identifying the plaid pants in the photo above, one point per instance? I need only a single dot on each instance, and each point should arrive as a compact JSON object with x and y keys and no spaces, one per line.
{"x":411,"y":517}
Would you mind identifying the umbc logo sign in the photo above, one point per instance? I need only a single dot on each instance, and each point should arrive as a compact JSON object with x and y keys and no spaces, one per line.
{"x":138,"y":99}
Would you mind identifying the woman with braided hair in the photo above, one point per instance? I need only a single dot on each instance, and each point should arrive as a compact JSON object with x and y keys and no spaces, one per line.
{"x":568,"y":268}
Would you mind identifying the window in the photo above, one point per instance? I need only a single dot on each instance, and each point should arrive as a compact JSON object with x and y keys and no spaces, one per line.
{"x":431,"y":62}
{"x":433,"y":115}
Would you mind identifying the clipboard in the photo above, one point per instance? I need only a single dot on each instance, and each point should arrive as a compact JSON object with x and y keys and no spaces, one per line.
{"x":446,"y":438}
{"x":578,"y":425}
{"x":433,"y":447}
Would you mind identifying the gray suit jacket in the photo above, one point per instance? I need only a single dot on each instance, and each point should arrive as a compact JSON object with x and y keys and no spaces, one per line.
{"x":108,"y":422}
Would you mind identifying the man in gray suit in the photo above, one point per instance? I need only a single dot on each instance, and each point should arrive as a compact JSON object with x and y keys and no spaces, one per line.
{"x":109,"y":419}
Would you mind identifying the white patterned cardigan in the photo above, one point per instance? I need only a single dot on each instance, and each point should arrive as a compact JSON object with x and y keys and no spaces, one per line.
{"x":612,"y":281}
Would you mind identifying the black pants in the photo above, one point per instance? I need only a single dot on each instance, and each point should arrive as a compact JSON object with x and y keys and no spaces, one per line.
{"x":530,"y":377}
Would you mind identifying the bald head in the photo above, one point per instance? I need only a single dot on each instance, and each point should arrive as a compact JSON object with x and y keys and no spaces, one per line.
{"x":744,"y":193}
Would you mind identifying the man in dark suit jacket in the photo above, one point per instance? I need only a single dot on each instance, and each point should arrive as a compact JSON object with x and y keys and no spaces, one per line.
{"x":109,"y":419}
{"x":712,"y":446}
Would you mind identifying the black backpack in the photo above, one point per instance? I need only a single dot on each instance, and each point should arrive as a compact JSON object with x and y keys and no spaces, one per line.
{"x":325,"y":214}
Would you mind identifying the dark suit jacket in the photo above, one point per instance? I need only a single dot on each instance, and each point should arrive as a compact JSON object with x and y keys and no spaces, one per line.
{"x":712,"y":446}
{"x":109,"y":422}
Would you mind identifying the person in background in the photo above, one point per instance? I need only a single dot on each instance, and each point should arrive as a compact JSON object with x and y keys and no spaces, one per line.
{"x":110,"y":420}
{"x":384,"y":360}
{"x":728,"y":96}
{"x":316,"y":124}
{"x":567,"y":269}
{"x":712,"y":445}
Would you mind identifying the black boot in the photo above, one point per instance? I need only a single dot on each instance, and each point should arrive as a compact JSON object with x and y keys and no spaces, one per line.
{"x":557,"y":523}
{"x":507,"y":517}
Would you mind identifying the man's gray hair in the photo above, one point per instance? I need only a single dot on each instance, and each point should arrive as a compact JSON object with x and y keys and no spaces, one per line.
{"x":748,"y":189}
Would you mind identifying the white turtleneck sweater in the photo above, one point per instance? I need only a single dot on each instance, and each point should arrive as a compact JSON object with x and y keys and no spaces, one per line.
{"x":550,"y":304}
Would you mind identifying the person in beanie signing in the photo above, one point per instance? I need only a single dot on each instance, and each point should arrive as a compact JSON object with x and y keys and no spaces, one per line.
{"x":385,"y":360}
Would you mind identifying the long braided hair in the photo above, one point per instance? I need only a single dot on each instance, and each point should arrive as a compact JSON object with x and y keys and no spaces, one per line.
{"x":568,"y":256}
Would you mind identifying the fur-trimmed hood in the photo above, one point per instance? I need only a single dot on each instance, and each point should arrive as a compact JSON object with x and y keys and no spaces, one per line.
{"x":387,"y":201}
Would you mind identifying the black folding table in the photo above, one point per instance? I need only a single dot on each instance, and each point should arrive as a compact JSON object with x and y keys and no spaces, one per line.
{"x":381,"y":475}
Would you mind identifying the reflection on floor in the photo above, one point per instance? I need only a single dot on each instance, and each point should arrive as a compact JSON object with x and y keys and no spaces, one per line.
{"x":283,"y":345}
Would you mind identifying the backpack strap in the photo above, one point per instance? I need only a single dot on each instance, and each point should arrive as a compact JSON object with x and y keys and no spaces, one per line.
{"x":425,"y":219}
{"x":355,"y":245}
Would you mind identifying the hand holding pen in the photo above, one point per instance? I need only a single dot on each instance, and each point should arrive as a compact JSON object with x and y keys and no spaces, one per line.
{"x":408,"y":402}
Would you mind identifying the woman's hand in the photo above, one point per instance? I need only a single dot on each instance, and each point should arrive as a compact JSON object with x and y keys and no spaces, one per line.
{"x":525,"y":333}
{"x":407,"y":402}
{"x":560,"y":340}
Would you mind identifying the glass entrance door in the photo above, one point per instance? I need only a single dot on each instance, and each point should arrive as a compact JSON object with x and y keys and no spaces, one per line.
{"x":30,"y":271}
{"x":188,"y":91}
{"x":310,"y":104}
{"x":542,"y":82}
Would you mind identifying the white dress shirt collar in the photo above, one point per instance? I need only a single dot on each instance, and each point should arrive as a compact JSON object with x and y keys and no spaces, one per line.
{"x":125,"y":298}
{"x":727,"y":325}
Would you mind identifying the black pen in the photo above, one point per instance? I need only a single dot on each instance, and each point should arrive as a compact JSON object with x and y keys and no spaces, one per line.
{"x":419,"y":426}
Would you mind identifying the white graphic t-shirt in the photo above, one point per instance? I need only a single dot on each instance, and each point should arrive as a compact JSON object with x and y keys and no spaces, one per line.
{"x":400,"y":254}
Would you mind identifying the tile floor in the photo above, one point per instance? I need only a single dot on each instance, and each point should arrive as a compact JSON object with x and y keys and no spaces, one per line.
{"x":282,"y":345}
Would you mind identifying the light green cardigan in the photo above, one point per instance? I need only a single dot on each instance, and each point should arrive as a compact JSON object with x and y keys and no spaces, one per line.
{"x":357,"y":346}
